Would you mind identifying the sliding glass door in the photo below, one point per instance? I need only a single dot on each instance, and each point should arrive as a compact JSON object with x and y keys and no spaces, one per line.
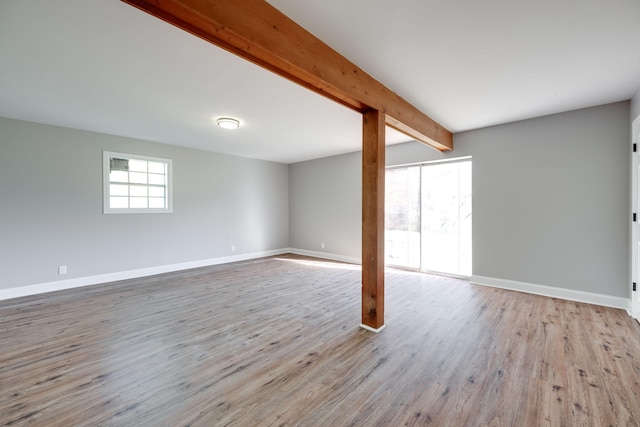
{"x":402,"y":217}
{"x":428,"y":217}
{"x":446,"y":218}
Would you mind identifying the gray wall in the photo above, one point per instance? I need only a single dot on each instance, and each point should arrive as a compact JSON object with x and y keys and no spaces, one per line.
{"x":635,"y":106}
{"x":51,"y":209}
{"x":325,"y":205}
{"x":550,"y":203}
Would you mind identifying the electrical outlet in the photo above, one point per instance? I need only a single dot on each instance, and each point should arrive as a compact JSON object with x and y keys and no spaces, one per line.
{"x":322,"y":245}
{"x":233,"y":248}
{"x":62,"y":270}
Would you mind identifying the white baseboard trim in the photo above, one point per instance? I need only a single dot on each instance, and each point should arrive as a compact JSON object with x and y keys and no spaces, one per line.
{"x":59,"y":285}
{"x":550,"y":291}
{"x":326,"y":255}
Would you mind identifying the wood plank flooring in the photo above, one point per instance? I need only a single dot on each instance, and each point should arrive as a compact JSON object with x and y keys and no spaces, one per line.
{"x":275,"y":342}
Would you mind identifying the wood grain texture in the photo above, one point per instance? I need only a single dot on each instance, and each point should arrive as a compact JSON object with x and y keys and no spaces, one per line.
{"x":275,"y":341}
{"x":260,"y":33}
{"x":373,"y":177}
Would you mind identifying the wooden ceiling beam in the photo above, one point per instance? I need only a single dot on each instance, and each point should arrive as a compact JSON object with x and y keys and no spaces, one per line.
{"x":260,"y":33}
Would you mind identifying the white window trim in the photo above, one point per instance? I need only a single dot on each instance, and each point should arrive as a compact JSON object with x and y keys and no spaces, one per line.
{"x":106,"y":167}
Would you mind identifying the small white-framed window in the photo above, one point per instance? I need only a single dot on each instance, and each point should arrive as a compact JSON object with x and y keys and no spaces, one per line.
{"x":136,"y":184}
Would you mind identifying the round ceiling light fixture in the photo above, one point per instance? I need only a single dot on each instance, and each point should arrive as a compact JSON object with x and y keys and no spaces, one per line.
{"x":228,"y":123}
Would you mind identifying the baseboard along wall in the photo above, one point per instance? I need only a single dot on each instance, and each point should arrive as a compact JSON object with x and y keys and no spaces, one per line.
{"x":549,"y":291}
{"x":77,"y":282}
{"x":554,"y":292}
{"x":326,"y":255}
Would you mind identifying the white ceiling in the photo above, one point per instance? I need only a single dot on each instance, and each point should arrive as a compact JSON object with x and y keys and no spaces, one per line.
{"x":104,"y":66}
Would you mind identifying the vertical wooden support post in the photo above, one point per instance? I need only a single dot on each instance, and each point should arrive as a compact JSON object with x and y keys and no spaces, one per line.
{"x":373,"y":172}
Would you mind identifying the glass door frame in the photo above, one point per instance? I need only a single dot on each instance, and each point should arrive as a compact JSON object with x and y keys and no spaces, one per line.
{"x":422,"y":165}
{"x":635,"y":208}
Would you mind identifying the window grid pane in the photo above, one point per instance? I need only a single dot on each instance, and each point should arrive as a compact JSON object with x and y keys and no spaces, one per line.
{"x":157,"y":202}
{"x":138,"y":177}
{"x":138,"y":190}
{"x":157,"y":167}
{"x":138,"y":202}
{"x":119,"y":176}
{"x":119,"y":190}
{"x":138,"y":165}
{"x":157,"y":179}
{"x":156,"y":192}
{"x":136,"y":183}
{"x":119,"y":202}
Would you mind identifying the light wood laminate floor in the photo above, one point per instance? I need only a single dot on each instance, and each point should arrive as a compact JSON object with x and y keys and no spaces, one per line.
{"x":276,"y":341}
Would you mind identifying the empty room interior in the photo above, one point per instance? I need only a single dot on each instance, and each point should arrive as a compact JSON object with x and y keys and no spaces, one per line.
{"x":363,"y":213}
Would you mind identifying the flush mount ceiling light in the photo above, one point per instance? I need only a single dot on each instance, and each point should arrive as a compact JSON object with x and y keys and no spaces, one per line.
{"x":228,"y":123}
